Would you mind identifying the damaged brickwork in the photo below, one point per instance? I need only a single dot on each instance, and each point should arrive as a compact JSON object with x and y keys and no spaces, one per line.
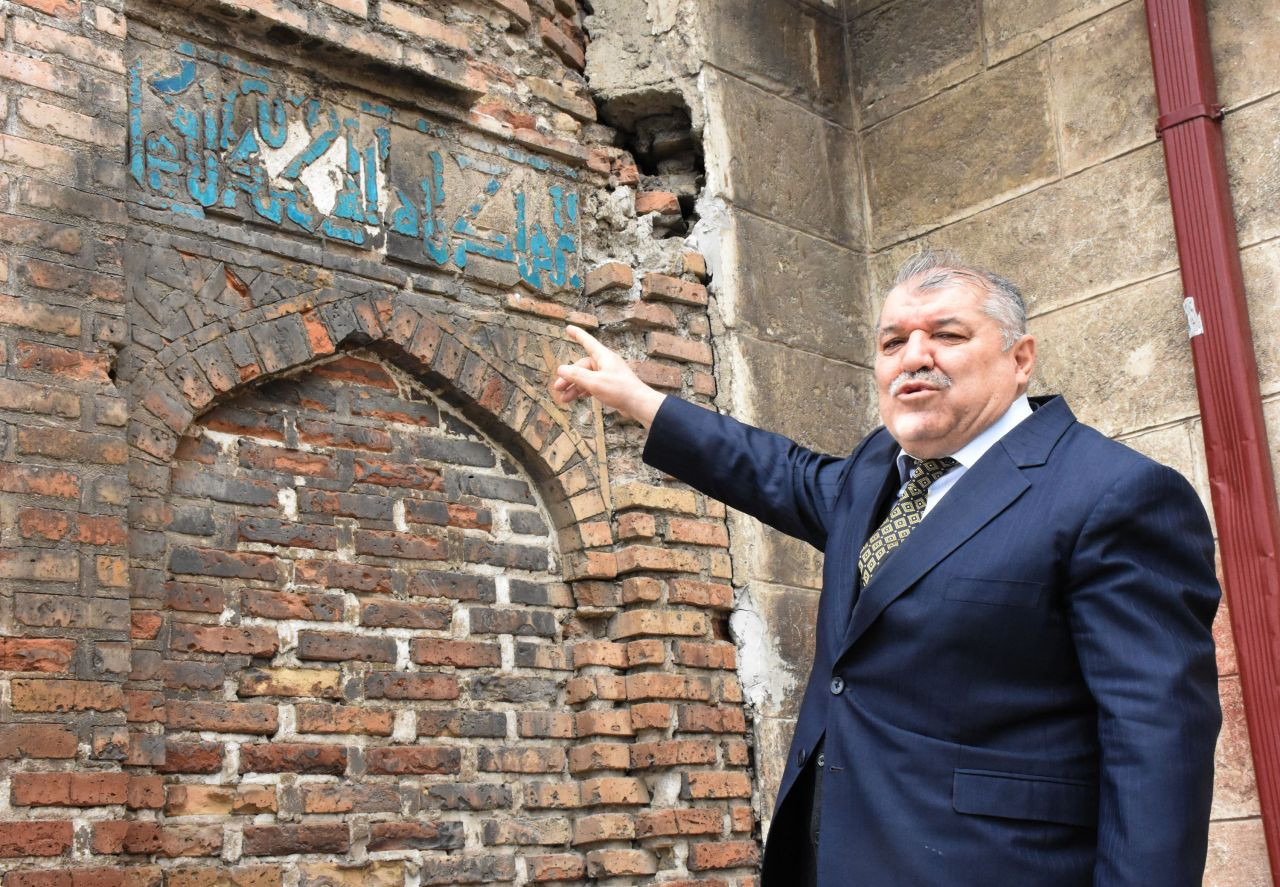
{"x":307,"y":579}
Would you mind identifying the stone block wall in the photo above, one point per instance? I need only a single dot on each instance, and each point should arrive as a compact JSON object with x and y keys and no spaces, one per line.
{"x":306,"y":579}
{"x":1022,"y":134}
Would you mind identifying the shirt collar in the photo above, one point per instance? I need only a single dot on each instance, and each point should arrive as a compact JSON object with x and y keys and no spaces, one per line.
{"x":971,"y":452}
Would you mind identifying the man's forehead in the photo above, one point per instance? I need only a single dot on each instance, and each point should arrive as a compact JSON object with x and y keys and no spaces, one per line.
{"x":906,"y":301}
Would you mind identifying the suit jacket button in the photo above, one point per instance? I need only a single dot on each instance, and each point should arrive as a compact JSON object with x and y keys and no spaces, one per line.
{"x":837,"y":686}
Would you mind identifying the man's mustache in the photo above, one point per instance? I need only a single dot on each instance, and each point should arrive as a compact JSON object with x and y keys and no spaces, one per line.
{"x":932,"y":378}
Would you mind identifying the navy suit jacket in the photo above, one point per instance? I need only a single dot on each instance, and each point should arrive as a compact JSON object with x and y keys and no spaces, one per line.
{"x":1025,"y":693}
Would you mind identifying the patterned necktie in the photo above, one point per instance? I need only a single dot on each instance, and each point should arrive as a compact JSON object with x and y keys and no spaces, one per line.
{"x":906,"y":513}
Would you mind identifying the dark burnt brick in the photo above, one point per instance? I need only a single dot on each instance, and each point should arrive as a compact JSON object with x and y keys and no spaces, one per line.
{"x":191,"y":520}
{"x":548,"y":656}
{"x":394,"y":614}
{"x":526,"y":832}
{"x":413,"y":759}
{"x":348,"y":368}
{"x":469,"y":724}
{"x":426,"y":511}
{"x":457,"y":586}
{"x":460,"y":654}
{"x":410,"y":685}
{"x":191,"y":757}
{"x":292,"y":757}
{"x":192,"y":597}
{"x":282,"y":343}
{"x":508,"y":688}
{"x":527,"y":522}
{"x":345,"y":504}
{"x":203,"y":484}
{"x":537,"y":623}
{"x":312,"y":606}
{"x":323,"y":432}
{"x":222,"y":717}
{"x":208,"y":562}
{"x":394,"y":409}
{"x":469,"y":796}
{"x":453,"y":452}
{"x":467,"y":870}
{"x":416,"y":836}
{"x":333,"y":647}
{"x":537,"y":594}
{"x":499,"y":554}
{"x":390,"y":473}
{"x":193,"y":675}
{"x":281,"y":840}
{"x":289,"y":534}
{"x":407,"y":546}
{"x":196,"y":449}
{"x":488,"y":486}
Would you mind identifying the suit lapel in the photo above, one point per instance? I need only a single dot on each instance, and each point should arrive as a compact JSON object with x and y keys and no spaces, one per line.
{"x":985,"y":490}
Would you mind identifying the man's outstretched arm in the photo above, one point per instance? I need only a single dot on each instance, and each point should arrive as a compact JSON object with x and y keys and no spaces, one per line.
{"x":757,"y":472}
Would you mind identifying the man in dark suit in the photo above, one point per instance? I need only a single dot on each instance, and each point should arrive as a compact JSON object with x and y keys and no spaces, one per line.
{"x":1014,"y":681}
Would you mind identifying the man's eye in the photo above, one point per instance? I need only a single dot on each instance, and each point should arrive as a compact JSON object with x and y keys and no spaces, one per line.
{"x":890,"y":344}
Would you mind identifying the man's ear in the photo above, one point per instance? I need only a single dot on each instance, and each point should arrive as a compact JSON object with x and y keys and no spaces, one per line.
{"x":1024,"y":360}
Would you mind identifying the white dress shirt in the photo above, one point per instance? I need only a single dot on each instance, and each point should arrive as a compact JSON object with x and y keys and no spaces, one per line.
{"x":967,"y":455}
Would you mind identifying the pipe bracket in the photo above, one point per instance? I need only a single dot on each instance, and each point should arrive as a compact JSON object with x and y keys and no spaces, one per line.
{"x":1189,"y":112}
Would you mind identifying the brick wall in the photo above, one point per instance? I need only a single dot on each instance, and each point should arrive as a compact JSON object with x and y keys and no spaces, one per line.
{"x":306,"y":579}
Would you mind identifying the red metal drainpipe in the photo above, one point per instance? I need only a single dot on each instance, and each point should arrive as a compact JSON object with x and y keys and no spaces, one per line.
{"x":1240,"y":475}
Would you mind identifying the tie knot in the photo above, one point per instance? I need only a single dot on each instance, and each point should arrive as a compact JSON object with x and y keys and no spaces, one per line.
{"x":925,"y":471}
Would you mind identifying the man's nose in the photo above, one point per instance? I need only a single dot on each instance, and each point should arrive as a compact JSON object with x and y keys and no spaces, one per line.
{"x":916,"y":353}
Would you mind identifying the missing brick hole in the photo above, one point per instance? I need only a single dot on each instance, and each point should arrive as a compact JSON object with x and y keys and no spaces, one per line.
{"x":657,"y":128}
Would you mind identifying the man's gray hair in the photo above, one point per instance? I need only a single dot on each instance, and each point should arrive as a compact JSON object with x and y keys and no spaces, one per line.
{"x":939,"y":268}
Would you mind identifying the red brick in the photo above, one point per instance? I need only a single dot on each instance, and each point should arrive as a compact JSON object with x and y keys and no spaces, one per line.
{"x":534,"y":759}
{"x":408,"y":546}
{"x":556,"y":867}
{"x":611,"y":275}
{"x":672,"y":753}
{"x":223,"y":800}
{"x":394,"y":614}
{"x":545,"y":725}
{"x":70,"y":124}
{"x":647,"y":715}
{"x":614,"y":790}
{"x":327,"y":798}
{"x":359,"y":719}
{"x":335,"y":647}
{"x":410,"y":685}
{"x":224,"y":876}
{"x":631,"y":558}
{"x":659,"y":622}
{"x":653,"y":685}
{"x":67,"y":363}
{"x":40,"y":480}
{"x":603,"y":827}
{"x":191,"y":757}
{"x":571,"y":52}
{"x":695,"y":532}
{"x":60,"y":42}
{"x":662,"y":202}
{"x":742,"y":818}
{"x":36,"y":654}
{"x":672,"y":289}
{"x":637,"y":524}
{"x":415,"y":835}
{"x":713,"y":654}
{"x":611,"y":722}
{"x":251,"y":640}
{"x":27,"y":397}
{"x":588,"y":756}
{"x":387,"y":473}
{"x":704,"y":785}
{"x":661,"y":823}
{"x":222,"y":717}
{"x":36,"y":741}
{"x":34,"y":839}
{"x":658,"y":375}
{"x":669,"y":347}
{"x":723,"y":855}
{"x":647,"y":652}
{"x":152,"y":838}
{"x":636,"y":589}
{"x":59,"y":696}
{"x":552,"y":795}
{"x":64,"y":278}
{"x":64,"y":9}
{"x":606,"y":653}
{"x":615,"y":863}
{"x":47,"y":235}
{"x":461,"y":654}
{"x":77,"y":446}
{"x":710,"y":719}
{"x":295,"y":462}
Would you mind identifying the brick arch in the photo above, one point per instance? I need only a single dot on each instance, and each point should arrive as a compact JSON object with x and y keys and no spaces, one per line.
{"x":657,"y":774}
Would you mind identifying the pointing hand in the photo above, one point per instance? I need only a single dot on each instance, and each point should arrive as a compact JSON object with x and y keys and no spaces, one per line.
{"x":604,"y":375}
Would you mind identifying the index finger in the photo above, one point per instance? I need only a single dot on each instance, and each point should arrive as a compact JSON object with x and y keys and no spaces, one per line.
{"x":586,"y":340}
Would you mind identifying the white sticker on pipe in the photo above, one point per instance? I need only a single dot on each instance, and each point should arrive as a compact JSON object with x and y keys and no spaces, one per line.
{"x":1195,"y":324}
